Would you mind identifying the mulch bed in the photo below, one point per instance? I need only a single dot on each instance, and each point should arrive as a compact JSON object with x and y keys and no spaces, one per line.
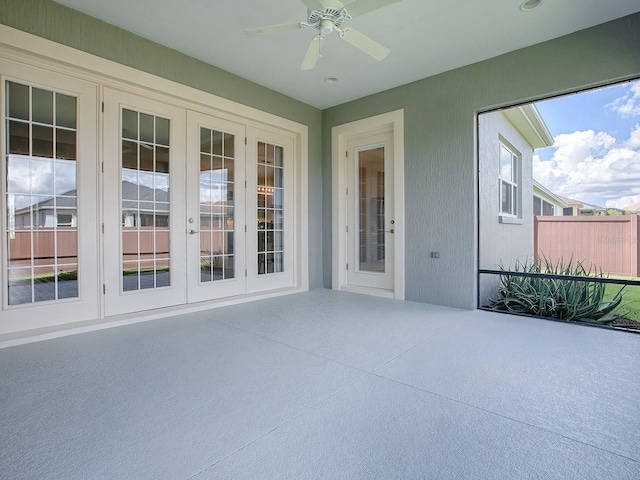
{"x":626,"y":323}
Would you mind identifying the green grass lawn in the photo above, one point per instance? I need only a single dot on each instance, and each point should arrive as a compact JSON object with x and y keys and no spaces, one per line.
{"x":630,"y":306}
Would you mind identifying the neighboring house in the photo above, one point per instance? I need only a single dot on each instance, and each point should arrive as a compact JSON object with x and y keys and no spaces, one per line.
{"x":635,"y":208}
{"x":60,"y":211}
{"x":577,"y":207}
{"x":545,"y":202}
{"x":507,"y":141}
{"x":108,"y":84}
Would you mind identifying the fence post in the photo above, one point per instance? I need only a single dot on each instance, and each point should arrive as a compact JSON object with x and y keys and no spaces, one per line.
{"x":634,"y":245}
{"x":535,"y":237}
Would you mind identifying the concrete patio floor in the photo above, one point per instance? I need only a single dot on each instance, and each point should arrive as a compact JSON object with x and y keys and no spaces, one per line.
{"x":328,"y":385}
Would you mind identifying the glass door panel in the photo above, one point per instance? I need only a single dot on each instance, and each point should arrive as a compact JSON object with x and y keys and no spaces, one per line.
{"x":216,"y":208}
{"x":41,"y":186}
{"x":270,"y":210}
{"x":270,"y":198}
{"x":146,"y":259}
{"x":50,"y":274}
{"x":144,"y":227}
{"x":370,"y":212}
{"x":371,"y":235}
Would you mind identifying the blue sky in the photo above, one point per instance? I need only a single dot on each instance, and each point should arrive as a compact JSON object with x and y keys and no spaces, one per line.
{"x":596,"y":154}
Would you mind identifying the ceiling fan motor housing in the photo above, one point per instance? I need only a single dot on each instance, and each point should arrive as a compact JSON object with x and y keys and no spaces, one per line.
{"x":327,"y":20}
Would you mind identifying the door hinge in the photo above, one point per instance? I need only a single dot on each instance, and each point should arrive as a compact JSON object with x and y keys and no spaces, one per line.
{"x":245,"y":229}
{"x":102,"y":107}
{"x":245,"y":272}
{"x":104,"y":289}
{"x":346,"y":154}
{"x":345,"y":228}
{"x":245,"y":184}
{"x":347,"y":266}
{"x":245,"y":140}
{"x":346,"y":191}
{"x":102,"y":167}
{"x":103,"y":228}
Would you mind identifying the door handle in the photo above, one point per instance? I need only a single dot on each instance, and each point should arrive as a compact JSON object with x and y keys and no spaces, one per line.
{"x":191,"y":231}
{"x":390,"y":231}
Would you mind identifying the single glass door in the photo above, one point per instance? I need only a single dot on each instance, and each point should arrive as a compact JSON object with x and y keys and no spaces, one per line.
{"x":370,"y":229}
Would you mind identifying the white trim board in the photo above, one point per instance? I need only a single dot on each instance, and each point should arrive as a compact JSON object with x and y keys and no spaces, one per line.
{"x":391,"y":121}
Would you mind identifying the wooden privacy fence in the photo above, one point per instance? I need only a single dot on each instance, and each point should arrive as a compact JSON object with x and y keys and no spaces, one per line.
{"x":610,"y":243}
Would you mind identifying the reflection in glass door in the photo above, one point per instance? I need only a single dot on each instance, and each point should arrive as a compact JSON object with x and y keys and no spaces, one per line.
{"x":144,"y":230}
{"x":217,"y":187}
{"x":41,"y":203}
{"x":215,"y":208}
{"x":48,"y":172}
{"x":145,"y":201}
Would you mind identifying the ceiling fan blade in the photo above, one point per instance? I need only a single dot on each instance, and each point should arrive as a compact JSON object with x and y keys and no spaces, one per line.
{"x":313,"y":5}
{"x":366,"y":44}
{"x":360,"y":7}
{"x":273,"y":28}
{"x":313,"y":53}
{"x":332,"y":4}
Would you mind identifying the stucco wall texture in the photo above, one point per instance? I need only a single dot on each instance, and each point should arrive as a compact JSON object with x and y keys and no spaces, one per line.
{"x":441,"y":141}
{"x":440,"y":127}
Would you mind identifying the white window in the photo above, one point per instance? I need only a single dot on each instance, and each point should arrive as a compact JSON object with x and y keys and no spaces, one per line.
{"x":508,"y":182}
{"x":542,"y":207}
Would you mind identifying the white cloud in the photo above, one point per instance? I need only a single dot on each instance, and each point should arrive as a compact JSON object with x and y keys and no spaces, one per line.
{"x":593,"y":167}
{"x":623,"y":202}
{"x":629,"y":104}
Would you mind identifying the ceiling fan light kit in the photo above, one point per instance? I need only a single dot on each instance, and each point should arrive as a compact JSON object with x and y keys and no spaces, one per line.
{"x":327,"y":16}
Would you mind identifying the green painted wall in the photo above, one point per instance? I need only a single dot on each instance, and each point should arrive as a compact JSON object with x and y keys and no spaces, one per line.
{"x":440,"y":138}
{"x":440,"y":144}
{"x":60,"y":24}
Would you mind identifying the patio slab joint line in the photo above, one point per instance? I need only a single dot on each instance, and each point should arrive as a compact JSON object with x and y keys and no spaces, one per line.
{"x":311,"y":407}
{"x":506,"y":417}
{"x":293,"y":347}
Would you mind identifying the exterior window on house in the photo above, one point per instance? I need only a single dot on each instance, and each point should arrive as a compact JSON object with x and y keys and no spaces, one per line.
{"x":542,"y":207}
{"x":508,"y":181}
{"x":548,"y":209}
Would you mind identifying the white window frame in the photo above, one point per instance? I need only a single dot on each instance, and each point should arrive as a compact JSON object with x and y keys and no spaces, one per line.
{"x":513,"y":182}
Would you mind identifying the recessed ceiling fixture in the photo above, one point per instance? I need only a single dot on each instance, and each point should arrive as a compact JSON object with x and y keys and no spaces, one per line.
{"x":331,"y":80}
{"x":530,"y":5}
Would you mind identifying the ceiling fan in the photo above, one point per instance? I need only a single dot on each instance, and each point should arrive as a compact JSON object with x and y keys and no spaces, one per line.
{"x":328,"y":16}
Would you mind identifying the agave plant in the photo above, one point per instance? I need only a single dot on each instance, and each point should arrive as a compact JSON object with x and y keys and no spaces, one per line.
{"x":567,"y":299}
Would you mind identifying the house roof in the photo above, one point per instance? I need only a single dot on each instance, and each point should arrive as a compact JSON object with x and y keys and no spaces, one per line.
{"x":583,"y":207}
{"x":425,"y":37}
{"x":633,"y":208}
{"x":543,"y":192}
{"x":530,"y":124}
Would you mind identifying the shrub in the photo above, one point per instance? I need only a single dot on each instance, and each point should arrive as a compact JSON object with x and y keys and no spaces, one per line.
{"x":574,"y":300}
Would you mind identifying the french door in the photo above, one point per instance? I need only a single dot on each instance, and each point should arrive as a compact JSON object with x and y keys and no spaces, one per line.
{"x":215,"y":208}
{"x":144,"y":208}
{"x":49,"y":200}
{"x":196,"y":207}
{"x":370,"y":212}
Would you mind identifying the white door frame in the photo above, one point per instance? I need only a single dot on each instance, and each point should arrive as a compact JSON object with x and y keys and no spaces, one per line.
{"x":340,"y":135}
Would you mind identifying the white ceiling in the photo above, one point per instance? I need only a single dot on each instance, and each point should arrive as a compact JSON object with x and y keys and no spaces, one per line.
{"x":426,"y":37}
